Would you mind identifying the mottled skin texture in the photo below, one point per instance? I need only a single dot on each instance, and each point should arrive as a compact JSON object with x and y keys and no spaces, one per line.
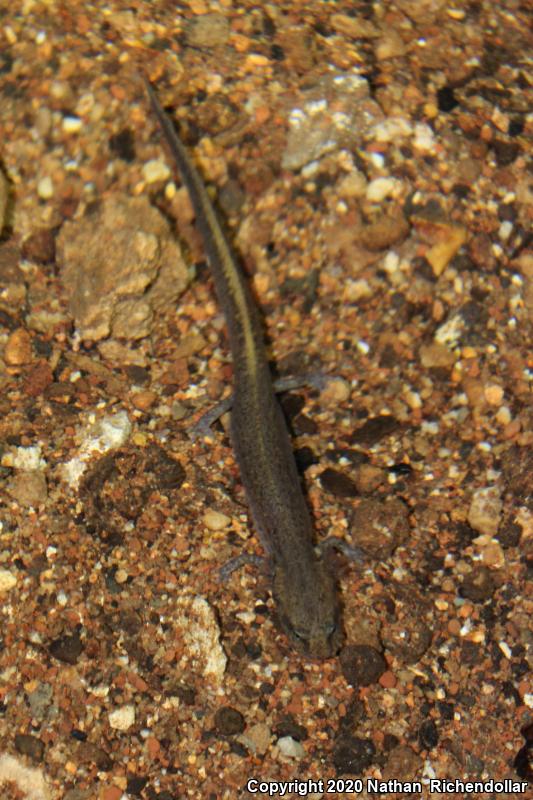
{"x":304,"y":589}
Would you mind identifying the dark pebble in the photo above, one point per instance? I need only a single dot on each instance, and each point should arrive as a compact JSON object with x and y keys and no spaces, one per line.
{"x":92,"y":754}
{"x":404,"y":470}
{"x":390,"y":741}
{"x":38,"y":565}
{"x":277,"y":52}
{"x":428,"y":734}
{"x":350,"y":721}
{"x":229,"y":721}
{"x":507,"y":212}
{"x":302,"y":425}
{"x":136,"y":784}
{"x":505,"y":152}
{"x":516,"y":127}
{"x":352,"y":755}
{"x":67,"y":648}
{"x":361,"y":664}
{"x":338,"y":484}
{"x":510,"y":693}
{"x":253,"y":650}
{"x":510,"y":534}
{"x":239,"y":749}
{"x":170,"y":474}
{"x":523,"y":762}
{"x":231,"y":198}
{"x":466,"y":700}
{"x":408,"y":638}
{"x":305,"y":458}
{"x":375,"y":429}
{"x":80,"y":736}
{"x":423,"y":268}
{"x":479,"y":585}
{"x":288,"y":727}
{"x":30,"y":746}
{"x":446,"y":710}
{"x":446,"y":99}
{"x":122,"y":144}
{"x":185,"y":693}
{"x":40,"y":247}
{"x":238,"y":650}
{"x":138,"y":375}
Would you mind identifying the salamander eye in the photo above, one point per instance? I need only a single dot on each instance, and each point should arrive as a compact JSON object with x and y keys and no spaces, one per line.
{"x":302,"y":636}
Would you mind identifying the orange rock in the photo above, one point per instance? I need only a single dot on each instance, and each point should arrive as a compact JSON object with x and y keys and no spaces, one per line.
{"x":388,"y":680}
{"x":18,"y":350}
{"x":110,"y":793}
{"x":144,"y":400}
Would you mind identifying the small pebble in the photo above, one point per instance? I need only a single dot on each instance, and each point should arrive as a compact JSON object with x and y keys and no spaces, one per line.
{"x":391,"y":262}
{"x":436,"y":355}
{"x":390,"y":129}
{"x":503,"y":415}
{"x":26,"y":458}
{"x":215,"y":521}
{"x":122,"y":718}
{"x":353,"y":755}
{"x":355,"y":290}
{"x":18,"y":349}
{"x":30,"y":746}
{"x":337,"y":391}
{"x":368,"y":478}
{"x":45,"y":188}
{"x":155,"y":170}
{"x":428,"y":734}
{"x":362,"y":665}
{"x":40,"y":246}
{"x":424,"y":138}
{"x":229,"y":721}
{"x":506,"y":228}
{"x":353,"y":185}
{"x":121,"y":576}
{"x":28,"y":488}
{"x":288,"y":727}
{"x":257,"y":738}
{"x":61,"y":90}
{"x":493,"y":394}
{"x":380,"y":188}
{"x":72,"y":124}
{"x":143,"y":401}
{"x":67,"y":648}
{"x":484,"y":514}
{"x":7,"y":580}
{"x":208,"y":30}
{"x":290,"y":747}
{"x":338,"y":483}
{"x":479,"y":585}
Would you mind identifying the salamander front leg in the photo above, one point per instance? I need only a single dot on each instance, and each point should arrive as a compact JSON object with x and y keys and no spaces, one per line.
{"x":202,"y":428}
{"x":287,"y":383}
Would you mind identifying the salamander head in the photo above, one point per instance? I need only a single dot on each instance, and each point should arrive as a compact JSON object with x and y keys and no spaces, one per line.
{"x":308,"y":608}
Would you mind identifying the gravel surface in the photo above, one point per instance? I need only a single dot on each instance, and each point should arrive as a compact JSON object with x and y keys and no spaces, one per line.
{"x":371,"y":163}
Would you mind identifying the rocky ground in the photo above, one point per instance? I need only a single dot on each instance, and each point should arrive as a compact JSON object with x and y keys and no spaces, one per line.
{"x":371,"y":163}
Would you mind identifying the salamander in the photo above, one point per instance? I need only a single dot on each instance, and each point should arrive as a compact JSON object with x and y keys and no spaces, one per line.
{"x":303,"y":586}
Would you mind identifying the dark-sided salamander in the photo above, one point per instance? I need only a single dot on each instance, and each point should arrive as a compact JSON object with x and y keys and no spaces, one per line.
{"x":304,"y":589}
